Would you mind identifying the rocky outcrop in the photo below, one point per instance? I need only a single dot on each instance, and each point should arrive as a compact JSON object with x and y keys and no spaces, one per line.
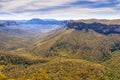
{"x":97,"y":27}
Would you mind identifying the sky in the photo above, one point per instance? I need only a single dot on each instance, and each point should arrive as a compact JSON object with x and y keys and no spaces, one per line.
{"x":59,"y":9}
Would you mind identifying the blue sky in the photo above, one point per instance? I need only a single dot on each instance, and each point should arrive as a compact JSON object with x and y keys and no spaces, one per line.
{"x":59,"y":9}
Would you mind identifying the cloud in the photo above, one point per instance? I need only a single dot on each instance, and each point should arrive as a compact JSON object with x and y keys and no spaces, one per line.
{"x":74,"y":13}
{"x":22,"y":5}
{"x":59,"y":9}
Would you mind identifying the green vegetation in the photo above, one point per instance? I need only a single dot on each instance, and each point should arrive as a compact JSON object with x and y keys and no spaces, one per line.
{"x":70,"y":69}
{"x":64,"y":55}
{"x":90,"y":45}
{"x":114,"y":63}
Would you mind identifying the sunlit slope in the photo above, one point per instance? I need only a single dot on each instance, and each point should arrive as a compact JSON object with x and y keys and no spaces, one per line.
{"x":42,"y":46}
{"x":114,"y":63}
{"x":71,"y":69}
{"x":73,"y":43}
{"x":61,"y":68}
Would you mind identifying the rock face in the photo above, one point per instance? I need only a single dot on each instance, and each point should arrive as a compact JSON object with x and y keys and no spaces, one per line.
{"x":97,"y":27}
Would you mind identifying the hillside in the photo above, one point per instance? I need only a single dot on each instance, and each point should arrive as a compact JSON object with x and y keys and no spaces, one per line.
{"x":71,"y":51}
{"x":78,"y":44}
{"x":60,"y":68}
{"x":71,"y":69}
{"x":113,"y":63}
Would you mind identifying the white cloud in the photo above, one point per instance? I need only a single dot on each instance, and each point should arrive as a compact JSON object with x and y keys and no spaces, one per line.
{"x":22,"y":5}
{"x":95,"y":0}
{"x":118,"y":5}
{"x":72,"y":13}
{"x":25,"y":8}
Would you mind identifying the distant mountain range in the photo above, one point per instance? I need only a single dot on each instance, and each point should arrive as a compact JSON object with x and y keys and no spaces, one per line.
{"x":32,"y":21}
{"x":100,"y":26}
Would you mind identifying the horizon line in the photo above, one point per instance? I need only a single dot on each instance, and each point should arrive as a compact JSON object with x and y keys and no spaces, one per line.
{"x":65,"y":19}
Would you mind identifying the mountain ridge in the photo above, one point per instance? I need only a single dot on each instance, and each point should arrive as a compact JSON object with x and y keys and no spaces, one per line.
{"x":98,"y":27}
